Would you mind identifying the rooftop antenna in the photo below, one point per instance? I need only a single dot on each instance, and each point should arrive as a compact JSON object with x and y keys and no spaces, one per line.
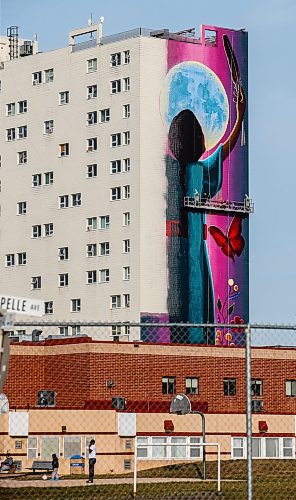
{"x":90,"y":20}
{"x":100,"y":30}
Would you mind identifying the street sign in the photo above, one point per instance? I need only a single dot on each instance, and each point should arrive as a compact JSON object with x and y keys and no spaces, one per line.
{"x":7,"y":322}
{"x":20,"y":305}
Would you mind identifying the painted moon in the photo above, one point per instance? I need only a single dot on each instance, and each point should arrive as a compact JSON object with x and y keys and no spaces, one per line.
{"x":192,"y":85}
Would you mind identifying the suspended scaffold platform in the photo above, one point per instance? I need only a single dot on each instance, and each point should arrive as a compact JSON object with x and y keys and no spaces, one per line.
{"x":199,"y":203}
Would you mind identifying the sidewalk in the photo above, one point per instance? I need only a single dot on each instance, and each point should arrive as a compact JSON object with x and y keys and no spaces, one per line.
{"x":40,"y":483}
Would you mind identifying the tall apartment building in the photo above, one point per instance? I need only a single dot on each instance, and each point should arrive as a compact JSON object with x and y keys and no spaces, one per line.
{"x":98,"y":177}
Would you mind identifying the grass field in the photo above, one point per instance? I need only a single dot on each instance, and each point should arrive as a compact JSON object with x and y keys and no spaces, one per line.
{"x":272,"y":480}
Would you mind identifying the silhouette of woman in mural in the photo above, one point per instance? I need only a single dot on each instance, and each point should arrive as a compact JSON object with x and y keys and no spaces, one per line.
{"x":187,"y":143}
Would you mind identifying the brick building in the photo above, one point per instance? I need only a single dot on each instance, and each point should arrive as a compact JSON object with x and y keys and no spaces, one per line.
{"x":85,"y":375}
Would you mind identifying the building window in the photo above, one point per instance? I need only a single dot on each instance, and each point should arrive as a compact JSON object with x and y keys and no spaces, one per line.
{"x":105,"y":115}
{"x":291,"y":388}
{"x":229,"y":386}
{"x":48,"y":307}
{"x":64,"y":201}
{"x":64,"y":97}
{"x":126,"y":138}
{"x":76,"y":330}
{"x":63,"y":253}
{"x":75,"y":305}
{"x":49,"y":445}
{"x":92,"y":65}
{"x":32,"y":447}
{"x":126,"y":57}
{"x":92,"y":91}
{"x":91,"y":144}
{"x":264,"y":447}
{"x":168,"y":385}
{"x":115,"y":167}
{"x":115,"y":86}
{"x":126,"y":164}
{"x":22,"y":132}
{"x":36,"y":283}
{"x":21,"y":208}
{"x":126,"y":300}
{"x":115,"y":193}
{"x":126,"y":84}
{"x":48,"y":229}
{"x":126,"y":192}
{"x":126,"y":273}
{"x":115,"y":330}
{"x":91,"y":223}
{"x":37,"y":78}
{"x":10,"y":109}
{"x":10,"y":134}
{"x":126,"y":246}
{"x":91,"y":170}
{"x":256,"y":387}
{"x":63,"y":279}
{"x":49,"y":75}
{"x":91,"y":277}
{"x":48,"y":178}
{"x":22,"y":107}
{"x":91,"y":249}
{"x":115,"y":301}
{"x":104,"y":275}
{"x":9,"y":260}
{"x":191,"y":385}
{"x":76,"y":199}
{"x":126,"y":111}
{"x":22,"y":157}
{"x":48,"y":127}
{"x":63,"y":330}
{"x":126,"y":219}
{"x":36,"y":180}
{"x":115,"y":59}
{"x":22,"y":258}
{"x":92,"y":118}
{"x":64,"y":149}
{"x":104,"y":248}
{"x":36,"y":231}
{"x":72,"y":446}
{"x":115,"y":140}
{"x":104,"y":222}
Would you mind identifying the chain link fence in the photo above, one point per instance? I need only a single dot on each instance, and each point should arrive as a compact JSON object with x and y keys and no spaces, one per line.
{"x":114,"y":383}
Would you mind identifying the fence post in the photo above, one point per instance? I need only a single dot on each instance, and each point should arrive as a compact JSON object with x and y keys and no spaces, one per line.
{"x":249,"y":413}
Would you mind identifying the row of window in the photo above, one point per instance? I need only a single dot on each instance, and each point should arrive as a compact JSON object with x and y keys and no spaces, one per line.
{"x":229,"y":386}
{"x":20,"y":107}
{"x":92,"y":277}
{"x":117,"y":139}
{"x":65,"y":446}
{"x":119,"y":58}
{"x":263,"y":447}
{"x":75,"y":304}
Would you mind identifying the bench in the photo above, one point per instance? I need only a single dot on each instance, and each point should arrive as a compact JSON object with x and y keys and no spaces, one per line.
{"x":41,"y":465}
{"x":16,"y":466}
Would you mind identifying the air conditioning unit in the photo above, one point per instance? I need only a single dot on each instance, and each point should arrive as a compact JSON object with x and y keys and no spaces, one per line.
{"x":90,"y":148}
{"x":46,"y":398}
{"x":50,"y":131}
{"x":26,"y":49}
{"x":36,"y":81}
{"x":119,"y":403}
{"x":257,"y":405}
{"x":110,"y":383}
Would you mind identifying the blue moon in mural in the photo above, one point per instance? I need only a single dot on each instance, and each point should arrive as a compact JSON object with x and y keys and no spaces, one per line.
{"x":192,"y":85}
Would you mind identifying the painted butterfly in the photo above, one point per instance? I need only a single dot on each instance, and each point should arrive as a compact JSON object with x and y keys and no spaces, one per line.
{"x":233,"y":243}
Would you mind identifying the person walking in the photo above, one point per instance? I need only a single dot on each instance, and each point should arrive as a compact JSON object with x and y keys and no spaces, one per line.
{"x":91,"y":460}
{"x":55,"y":468}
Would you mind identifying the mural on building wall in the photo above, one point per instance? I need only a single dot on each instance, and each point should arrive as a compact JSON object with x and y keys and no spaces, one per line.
{"x":203,"y":106}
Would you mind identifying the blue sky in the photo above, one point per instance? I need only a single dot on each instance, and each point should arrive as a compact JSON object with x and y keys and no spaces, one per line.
{"x":272,"y":106}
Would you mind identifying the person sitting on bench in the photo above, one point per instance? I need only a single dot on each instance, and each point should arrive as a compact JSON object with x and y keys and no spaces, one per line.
{"x":7,"y":463}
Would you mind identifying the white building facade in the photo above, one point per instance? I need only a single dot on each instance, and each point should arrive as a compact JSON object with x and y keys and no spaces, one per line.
{"x":83,"y":179}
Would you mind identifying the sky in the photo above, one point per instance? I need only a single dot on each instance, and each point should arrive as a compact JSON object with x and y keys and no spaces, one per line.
{"x":272,"y":110}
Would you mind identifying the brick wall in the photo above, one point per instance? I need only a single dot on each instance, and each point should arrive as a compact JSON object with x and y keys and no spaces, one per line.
{"x":137,"y":374}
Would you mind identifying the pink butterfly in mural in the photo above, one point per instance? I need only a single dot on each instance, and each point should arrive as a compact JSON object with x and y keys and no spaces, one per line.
{"x":232,"y":243}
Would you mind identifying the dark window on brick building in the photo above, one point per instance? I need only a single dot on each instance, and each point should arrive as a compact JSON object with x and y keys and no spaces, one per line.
{"x":229,"y":385}
{"x":191,"y":384}
{"x":256,"y":387}
{"x":291,"y":388}
{"x":168,"y":385}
